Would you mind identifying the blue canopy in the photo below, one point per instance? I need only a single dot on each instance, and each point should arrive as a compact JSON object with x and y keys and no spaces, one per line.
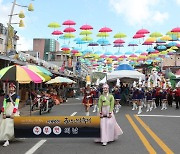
{"x":124,"y":67}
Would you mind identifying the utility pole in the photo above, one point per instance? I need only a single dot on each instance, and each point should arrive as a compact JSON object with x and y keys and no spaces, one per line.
{"x":8,"y":26}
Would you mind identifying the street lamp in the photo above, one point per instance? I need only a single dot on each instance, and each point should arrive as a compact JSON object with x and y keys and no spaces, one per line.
{"x":21,"y":23}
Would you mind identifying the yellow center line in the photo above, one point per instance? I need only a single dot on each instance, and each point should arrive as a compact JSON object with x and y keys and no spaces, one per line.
{"x":146,"y":143}
{"x":164,"y":147}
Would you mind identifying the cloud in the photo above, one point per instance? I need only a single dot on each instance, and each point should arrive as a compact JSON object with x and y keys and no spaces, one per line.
{"x":178,"y":2}
{"x":139,"y":12}
{"x":24,"y":44}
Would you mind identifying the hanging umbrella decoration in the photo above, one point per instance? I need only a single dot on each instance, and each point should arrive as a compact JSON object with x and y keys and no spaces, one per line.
{"x":69,"y":29}
{"x":86,"y":31}
{"x":118,"y":43}
{"x":57,"y":33}
{"x":20,"y":74}
{"x":133,"y":44}
{"x":54,"y":25}
{"x":103,"y":31}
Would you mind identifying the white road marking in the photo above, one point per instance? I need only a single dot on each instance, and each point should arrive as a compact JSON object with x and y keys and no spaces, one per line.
{"x":40,"y":143}
{"x":73,"y":114}
{"x":35,"y":147}
{"x":169,"y":116}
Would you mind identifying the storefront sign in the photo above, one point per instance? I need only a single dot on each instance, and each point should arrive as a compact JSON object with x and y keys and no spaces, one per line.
{"x":56,"y":126}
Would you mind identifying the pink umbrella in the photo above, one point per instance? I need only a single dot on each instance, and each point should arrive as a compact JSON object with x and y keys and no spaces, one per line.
{"x":69,"y":30}
{"x":144,"y":53}
{"x":105,"y":29}
{"x":123,"y":56}
{"x":103,"y":56}
{"x":86,"y":27}
{"x":119,"y":41}
{"x":133,"y":56}
{"x":65,"y":49}
{"x":147,"y":43}
{"x":177,"y":30}
{"x":69,"y":22}
{"x":74,"y":51}
{"x":57,"y":32}
{"x":142,"y":31}
{"x":137,"y":36}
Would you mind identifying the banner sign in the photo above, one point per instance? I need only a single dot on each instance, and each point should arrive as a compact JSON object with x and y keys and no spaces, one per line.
{"x":56,"y":126}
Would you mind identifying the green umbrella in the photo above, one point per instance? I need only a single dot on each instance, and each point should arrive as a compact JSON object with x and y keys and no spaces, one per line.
{"x":120,"y":35}
{"x":87,"y":38}
{"x":85,"y":32}
{"x":102,"y":34}
{"x":156,"y":34}
{"x":69,"y":35}
{"x":54,"y":25}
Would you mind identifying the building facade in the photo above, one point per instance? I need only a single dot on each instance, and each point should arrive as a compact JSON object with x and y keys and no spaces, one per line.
{"x":12,"y":39}
{"x":45,"y":47}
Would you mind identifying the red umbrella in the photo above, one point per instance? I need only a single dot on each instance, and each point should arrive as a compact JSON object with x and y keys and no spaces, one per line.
{"x":57,"y":32}
{"x":133,"y":56}
{"x":86,"y":27}
{"x":147,"y":43}
{"x":142,"y":31}
{"x":177,"y":30}
{"x":119,"y":41}
{"x":105,"y":29}
{"x":136,"y":36}
{"x":69,"y":30}
{"x":69,"y":22}
{"x":65,"y":49}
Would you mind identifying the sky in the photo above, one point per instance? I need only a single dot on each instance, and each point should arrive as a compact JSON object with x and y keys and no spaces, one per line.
{"x":127,"y":16}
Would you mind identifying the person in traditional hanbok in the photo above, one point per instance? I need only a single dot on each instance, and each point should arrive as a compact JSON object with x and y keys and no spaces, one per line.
{"x":9,"y":110}
{"x":110,"y":130}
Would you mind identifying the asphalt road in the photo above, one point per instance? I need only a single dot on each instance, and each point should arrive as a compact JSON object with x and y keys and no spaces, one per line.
{"x":152,"y":132}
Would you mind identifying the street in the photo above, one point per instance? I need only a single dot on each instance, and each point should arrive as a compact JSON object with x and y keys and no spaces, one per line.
{"x":151,"y":132}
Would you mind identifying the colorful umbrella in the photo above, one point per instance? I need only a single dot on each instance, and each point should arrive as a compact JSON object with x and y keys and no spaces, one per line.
{"x":105,"y":29}
{"x":19,"y":74}
{"x":176,"y":30}
{"x":86,"y":27}
{"x":60,"y":80}
{"x":102,"y":34}
{"x":85,"y":32}
{"x":69,"y":30}
{"x":142,"y":31}
{"x":69,"y":22}
{"x":54,"y":25}
{"x":120,"y":35}
{"x":119,"y":41}
{"x":156,"y":34}
{"x":39,"y":69}
{"x":57,"y":32}
{"x":137,"y":36}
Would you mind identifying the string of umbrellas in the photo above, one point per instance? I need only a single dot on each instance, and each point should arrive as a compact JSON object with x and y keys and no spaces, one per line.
{"x":158,"y":45}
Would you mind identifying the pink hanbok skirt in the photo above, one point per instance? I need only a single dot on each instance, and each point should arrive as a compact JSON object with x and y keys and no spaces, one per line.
{"x":110,"y":130}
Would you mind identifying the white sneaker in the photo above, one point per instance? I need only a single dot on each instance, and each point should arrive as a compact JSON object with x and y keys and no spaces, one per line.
{"x":147,"y":110}
{"x":104,"y":143}
{"x":94,"y":110}
{"x":6,"y":144}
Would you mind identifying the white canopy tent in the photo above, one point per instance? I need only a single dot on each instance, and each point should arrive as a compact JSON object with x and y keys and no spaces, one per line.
{"x":125,"y":71}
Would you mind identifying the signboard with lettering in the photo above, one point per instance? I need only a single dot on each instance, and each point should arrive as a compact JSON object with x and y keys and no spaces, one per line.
{"x":56,"y":126}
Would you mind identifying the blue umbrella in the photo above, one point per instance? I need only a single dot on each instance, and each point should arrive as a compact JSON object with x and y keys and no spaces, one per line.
{"x":139,"y":51}
{"x":128,"y":53}
{"x":170,"y":44}
{"x":161,"y":47}
{"x":150,"y":49}
{"x":108,"y":53}
{"x":65,"y":46}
